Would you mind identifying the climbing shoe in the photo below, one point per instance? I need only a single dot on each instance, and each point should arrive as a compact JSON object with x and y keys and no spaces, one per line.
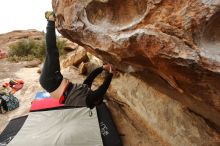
{"x":50,"y":16}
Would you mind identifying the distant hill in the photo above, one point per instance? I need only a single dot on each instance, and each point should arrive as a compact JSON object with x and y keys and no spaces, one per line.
{"x":6,"y":39}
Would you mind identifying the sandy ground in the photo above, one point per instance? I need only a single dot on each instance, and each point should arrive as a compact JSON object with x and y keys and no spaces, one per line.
{"x":30,"y":77}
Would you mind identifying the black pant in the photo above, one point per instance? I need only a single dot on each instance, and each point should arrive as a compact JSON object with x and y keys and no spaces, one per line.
{"x":51,"y":77}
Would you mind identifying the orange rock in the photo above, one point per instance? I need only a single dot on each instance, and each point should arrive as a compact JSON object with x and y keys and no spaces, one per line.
{"x":171,"y":46}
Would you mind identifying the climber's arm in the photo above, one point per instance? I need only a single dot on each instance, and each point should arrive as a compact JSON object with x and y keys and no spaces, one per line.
{"x":92,"y":76}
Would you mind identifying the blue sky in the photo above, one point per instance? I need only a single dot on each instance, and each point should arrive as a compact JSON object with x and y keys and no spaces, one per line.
{"x":23,"y":14}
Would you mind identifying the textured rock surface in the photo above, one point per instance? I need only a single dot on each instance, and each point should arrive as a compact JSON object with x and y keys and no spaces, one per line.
{"x":173,"y":46}
{"x":75,"y":57}
{"x":158,"y":118}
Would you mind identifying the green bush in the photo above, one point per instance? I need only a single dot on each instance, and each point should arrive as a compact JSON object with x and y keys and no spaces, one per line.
{"x":61,"y":44}
{"x":28,"y":49}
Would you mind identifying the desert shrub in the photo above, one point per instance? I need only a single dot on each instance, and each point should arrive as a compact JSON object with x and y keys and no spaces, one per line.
{"x":61,"y":44}
{"x":28,"y":49}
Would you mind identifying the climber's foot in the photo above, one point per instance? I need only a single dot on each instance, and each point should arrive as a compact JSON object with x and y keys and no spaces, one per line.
{"x":50,"y":16}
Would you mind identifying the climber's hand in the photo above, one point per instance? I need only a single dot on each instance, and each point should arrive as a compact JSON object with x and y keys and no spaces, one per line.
{"x":109,"y":67}
{"x":106,"y":67}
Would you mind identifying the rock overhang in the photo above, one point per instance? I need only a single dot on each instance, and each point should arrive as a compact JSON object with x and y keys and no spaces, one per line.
{"x":176,"y":40}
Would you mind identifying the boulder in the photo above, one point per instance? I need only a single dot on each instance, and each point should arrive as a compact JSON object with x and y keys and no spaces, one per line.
{"x":75,"y":57}
{"x":33,"y":63}
{"x":69,"y":46}
{"x":3,"y":54}
{"x":82,"y":68}
{"x":158,"y":119}
{"x":172,"y":47}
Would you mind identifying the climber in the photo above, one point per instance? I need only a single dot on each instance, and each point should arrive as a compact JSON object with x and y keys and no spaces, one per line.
{"x":52,"y":80}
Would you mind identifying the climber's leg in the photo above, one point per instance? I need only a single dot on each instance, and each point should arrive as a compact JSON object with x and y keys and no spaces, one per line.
{"x":51,"y":77}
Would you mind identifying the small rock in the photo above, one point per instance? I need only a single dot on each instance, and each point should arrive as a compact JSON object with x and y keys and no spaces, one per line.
{"x":3,"y":54}
{"x":33,"y":63}
{"x":83,"y":68}
{"x":75,"y":58}
{"x":39,"y":71}
{"x":70,"y":46}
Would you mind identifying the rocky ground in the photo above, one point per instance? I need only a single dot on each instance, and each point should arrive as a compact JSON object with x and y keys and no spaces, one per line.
{"x":26,"y":71}
{"x":30,"y":76}
{"x":10,"y":70}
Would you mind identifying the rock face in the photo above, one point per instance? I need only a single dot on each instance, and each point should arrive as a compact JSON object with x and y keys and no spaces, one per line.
{"x":159,"y":119}
{"x":170,"y":46}
{"x":75,"y":57}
